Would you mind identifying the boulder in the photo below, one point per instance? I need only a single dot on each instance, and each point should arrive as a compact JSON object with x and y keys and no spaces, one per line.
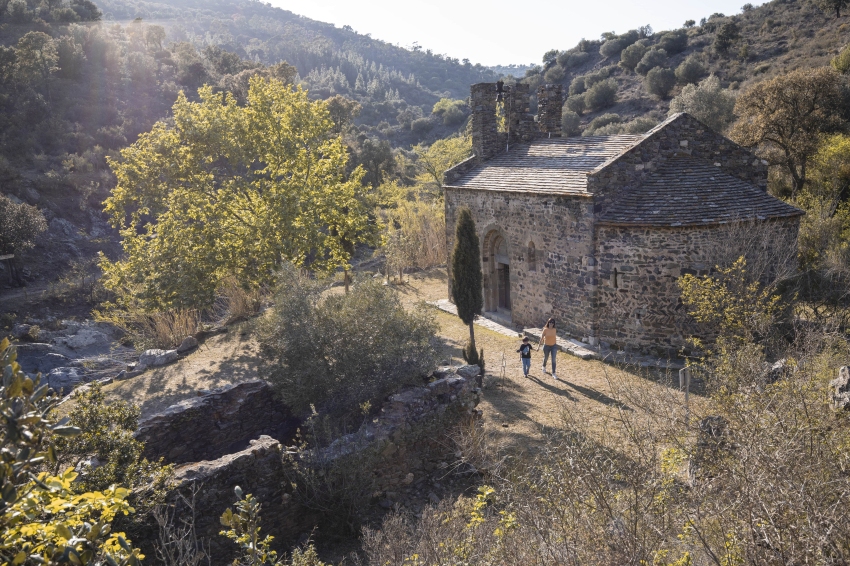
{"x":468,"y":372}
{"x":188,"y":343}
{"x":156,"y":358}
{"x":39,"y":357}
{"x":64,"y":379}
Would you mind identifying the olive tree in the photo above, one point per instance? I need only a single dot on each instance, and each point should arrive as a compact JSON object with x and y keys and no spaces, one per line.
{"x":708,"y":102}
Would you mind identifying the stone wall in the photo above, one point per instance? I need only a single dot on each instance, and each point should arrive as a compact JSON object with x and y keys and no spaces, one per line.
{"x":559,"y":278}
{"x":217,"y":423}
{"x":550,"y":103}
{"x":638,"y":297}
{"x":386,"y":457}
{"x":679,"y":135}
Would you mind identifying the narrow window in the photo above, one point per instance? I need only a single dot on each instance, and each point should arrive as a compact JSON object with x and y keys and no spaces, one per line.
{"x":532,"y":257}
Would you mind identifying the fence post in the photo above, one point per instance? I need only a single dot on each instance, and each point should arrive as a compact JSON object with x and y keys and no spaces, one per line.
{"x":685,"y":384}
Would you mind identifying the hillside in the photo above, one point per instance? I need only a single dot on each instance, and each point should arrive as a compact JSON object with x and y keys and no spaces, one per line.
{"x":739,"y":49}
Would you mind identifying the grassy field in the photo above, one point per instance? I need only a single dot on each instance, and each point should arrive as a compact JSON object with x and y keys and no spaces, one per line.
{"x":519,"y":412}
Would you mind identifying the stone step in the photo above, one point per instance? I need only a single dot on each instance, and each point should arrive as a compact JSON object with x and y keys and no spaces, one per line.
{"x":449,"y":307}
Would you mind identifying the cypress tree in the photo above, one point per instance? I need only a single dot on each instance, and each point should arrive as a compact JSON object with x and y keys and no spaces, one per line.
{"x":467,"y":278}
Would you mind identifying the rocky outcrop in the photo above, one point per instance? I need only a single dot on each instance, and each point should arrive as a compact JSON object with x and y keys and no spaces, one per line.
{"x":155,"y":358}
{"x":188,"y":343}
{"x":217,"y":423}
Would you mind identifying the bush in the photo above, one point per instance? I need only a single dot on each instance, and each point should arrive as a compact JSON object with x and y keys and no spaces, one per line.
{"x":451,"y":111}
{"x":632,"y":55}
{"x":570,"y":122}
{"x":555,"y":74}
{"x":577,"y":86}
{"x":690,"y":71}
{"x":653,"y":58}
{"x":591,"y":79}
{"x":640,"y":125}
{"x":568,"y":60}
{"x":601,"y":95}
{"x":576,"y":104}
{"x":660,"y":82}
{"x":421,"y":125}
{"x":674,"y":42}
{"x":841,"y":62}
{"x":611,"y":48}
{"x":726,"y":37}
{"x":602,"y":121}
{"x":337,"y":351}
{"x":707,"y":102}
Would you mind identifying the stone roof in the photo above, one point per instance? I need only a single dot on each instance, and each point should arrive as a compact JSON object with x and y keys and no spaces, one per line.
{"x":556,"y":165}
{"x":686,"y":191}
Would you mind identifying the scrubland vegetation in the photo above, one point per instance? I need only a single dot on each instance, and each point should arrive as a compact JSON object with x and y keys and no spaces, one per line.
{"x":274,"y":172}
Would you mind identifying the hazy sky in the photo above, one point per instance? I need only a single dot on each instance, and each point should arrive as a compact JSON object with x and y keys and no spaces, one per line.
{"x":501,"y":32}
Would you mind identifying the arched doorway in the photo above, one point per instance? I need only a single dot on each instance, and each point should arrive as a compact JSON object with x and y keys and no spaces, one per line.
{"x":497,"y":274}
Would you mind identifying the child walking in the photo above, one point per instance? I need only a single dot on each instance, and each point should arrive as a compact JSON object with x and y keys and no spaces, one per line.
{"x":525,"y":355}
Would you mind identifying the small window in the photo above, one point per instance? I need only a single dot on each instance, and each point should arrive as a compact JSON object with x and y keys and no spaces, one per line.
{"x":532,"y":257}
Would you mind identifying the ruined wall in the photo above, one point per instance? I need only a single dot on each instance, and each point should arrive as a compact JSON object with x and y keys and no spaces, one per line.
{"x":638,"y":298}
{"x":388,"y":456}
{"x":679,"y":135}
{"x":218,"y":423}
{"x":559,"y":279}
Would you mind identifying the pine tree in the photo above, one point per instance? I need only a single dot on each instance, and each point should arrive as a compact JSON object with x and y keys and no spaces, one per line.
{"x":467,"y":278}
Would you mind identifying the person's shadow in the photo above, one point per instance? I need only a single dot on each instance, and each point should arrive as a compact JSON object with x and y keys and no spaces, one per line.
{"x":549,"y":386}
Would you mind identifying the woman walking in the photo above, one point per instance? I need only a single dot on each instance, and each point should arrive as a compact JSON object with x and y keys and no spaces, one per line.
{"x":549,"y":339}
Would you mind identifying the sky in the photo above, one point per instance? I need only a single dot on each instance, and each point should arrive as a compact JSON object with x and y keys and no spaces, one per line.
{"x":502,"y":32}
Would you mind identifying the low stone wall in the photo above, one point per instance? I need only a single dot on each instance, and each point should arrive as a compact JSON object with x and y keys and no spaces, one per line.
{"x":382,"y":461}
{"x":217,"y":423}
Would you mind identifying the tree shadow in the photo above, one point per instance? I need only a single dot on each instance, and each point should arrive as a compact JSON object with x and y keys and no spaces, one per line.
{"x":598,"y":396}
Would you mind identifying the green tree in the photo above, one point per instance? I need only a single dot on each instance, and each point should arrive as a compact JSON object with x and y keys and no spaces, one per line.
{"x":632,"y":55}
{"x":466,"y":275}
{"x":726,"y":36}
{"x":841,"y":62}
{"x":660,"y":81}
{"x":786,"y":116}
{"x":653,"y":58}
{"x":43,"y":519}
{"x":690,"y":71}
{"x":708,"y":102}
{"x":451,"y":111}
{"x":342,"y":111}
{"x":233,"y":191}
{"x":37,"y":59}
{"x":20,"y":226}
{"x":601,"y":95}
{"x":434,"y":160}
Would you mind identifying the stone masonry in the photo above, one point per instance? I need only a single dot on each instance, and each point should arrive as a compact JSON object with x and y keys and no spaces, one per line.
{"x":220,"y":422}
{"x":597,"y":231}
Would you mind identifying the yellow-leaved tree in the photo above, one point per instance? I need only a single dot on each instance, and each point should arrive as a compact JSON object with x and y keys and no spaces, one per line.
{"x":43,"y":520}
{"x":226,"y":190}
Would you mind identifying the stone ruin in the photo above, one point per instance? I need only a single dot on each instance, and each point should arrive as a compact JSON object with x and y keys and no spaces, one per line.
{"x":841,"y":389}
{"x":237,"y":435}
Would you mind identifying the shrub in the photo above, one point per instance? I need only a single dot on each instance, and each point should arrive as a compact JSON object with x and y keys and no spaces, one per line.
{"x":555,"y":74}
{"x":576,"y":59}
{"x":841,"y":62}
{"x":660,"y":82}
{"x":451,"y":111}
{"x":421,"y":125}
{"x":632,"y":55}
{"x":591,"y":79}
{"x":707,"y":102}
{"x":612,"y":47}
{"x":690,"y":71}
{"x":602,"y":121}
{"x":576,"y":104}
{"x":577,"y":86}
{"x":601,"y":95}
{"x":640,"y":125}
{"x":726,"y":37}
{"x":570,"y":122}
{"x":339,"y":351}
{"x":653,"y":58}
{"x":674,"y":42}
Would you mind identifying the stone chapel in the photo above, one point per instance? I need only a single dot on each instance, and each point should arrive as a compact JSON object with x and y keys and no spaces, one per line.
{"x":595,"y":231}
